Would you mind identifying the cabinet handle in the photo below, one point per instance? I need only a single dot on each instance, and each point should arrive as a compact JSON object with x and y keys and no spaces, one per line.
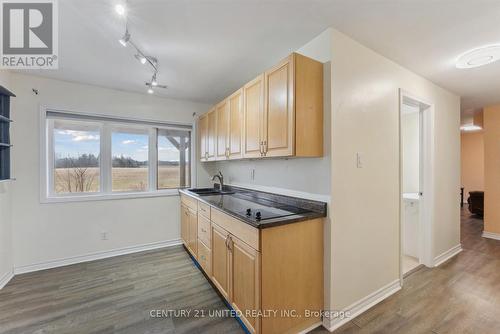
{"x":230,"y":244}
{"x":265,"y":147}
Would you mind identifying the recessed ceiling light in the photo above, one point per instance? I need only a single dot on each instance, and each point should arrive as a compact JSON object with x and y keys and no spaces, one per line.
{"x":120,"y":9}
{"x":479,"y":57}
{"x":470,"y":127}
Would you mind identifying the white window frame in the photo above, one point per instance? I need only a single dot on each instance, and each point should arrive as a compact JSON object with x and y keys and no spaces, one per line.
{"x":106,"y":127}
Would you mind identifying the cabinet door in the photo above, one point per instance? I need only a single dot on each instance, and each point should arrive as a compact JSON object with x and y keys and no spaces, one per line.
{"x":222,"y":120}
{"x":279,"y":118}
{"x":193,"y":232}
{"x":184,"y":224}
{"x":253,"y":112}
{"x":235,"y":125}
{"x":245,"y":281}
{"x":221,"y":261}
{"x":211,"y":134}
{"x":202,"y":135}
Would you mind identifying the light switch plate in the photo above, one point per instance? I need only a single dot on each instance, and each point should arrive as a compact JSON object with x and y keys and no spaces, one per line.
{"x":359,"y":160}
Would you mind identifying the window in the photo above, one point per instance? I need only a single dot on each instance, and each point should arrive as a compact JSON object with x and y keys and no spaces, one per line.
{"x":76,"y":157}
{"x":130,"y":154}
{"x":174,"y":156}
{"x":92,"y":157}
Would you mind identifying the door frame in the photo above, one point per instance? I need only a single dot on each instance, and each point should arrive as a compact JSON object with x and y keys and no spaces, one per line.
{"x":426,"y":201}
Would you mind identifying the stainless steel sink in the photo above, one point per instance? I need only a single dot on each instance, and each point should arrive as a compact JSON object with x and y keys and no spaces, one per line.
{"x":209,"y":191}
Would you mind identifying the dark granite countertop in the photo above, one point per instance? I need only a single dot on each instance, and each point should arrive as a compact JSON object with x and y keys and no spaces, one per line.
{"x":286,"y":209}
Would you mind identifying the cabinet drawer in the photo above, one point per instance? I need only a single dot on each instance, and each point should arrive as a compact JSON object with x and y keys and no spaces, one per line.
{"x":204,"y":230}
{"x":205,"y":257}
{"x":190,"y":202}
{"x":241,"y":230}
{"x":204,"y":209}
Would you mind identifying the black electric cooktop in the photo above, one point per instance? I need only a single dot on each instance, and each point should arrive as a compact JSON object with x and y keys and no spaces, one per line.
{"x":250,"y":210}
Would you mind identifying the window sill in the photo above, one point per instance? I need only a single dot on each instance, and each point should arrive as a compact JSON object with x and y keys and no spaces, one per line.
{"x":107,"y":197}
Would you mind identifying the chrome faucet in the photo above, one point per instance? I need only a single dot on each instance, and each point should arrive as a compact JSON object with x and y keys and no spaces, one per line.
{"x":221,"y":179}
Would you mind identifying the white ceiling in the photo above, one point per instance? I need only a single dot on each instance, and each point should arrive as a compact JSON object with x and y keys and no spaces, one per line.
{"x":208,"y":48}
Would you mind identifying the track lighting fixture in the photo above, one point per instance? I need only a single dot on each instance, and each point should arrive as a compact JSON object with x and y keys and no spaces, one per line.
{"x":125,"y":39}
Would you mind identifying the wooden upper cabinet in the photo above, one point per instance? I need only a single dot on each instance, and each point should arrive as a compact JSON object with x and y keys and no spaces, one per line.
{"x":253,"y":112}
{"x":203,"y":136}
{"x":235,"y":125}
{"x":281,"y":110}
{"x":211,"y":134}
{"x":222,"y":125}
{"x":279,"y":119}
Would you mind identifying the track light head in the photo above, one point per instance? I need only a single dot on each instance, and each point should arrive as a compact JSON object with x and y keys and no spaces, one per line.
{"x":154,"y":81}
{"x":125,"y":39}
{"x":142,"y":59}
{"x":120,"y":9}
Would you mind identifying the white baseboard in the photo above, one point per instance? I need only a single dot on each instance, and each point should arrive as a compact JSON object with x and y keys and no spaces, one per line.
{"x":95,"y":256}
{"x":491,"y":235}
{"x":440,"y":259}
{"x":362,"y":305}
{"x":6,"y":279}
{"x":310,"y":328}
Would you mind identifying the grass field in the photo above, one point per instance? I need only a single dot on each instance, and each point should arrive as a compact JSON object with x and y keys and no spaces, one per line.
{"x":123,"y":179}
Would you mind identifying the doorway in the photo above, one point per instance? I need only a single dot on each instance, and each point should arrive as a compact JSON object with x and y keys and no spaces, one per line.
{"x":416,"y":156}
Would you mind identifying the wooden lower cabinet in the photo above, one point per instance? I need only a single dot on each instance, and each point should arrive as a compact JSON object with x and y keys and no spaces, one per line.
{"x":192,"y":239}
{"x":245,"y":282}
{"x":284,"y":275}
{"x":184,"y":224}
{"x":221,"y":261}
{"x":205,"y":257}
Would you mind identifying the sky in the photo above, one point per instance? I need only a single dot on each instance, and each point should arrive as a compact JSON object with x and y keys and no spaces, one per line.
{"x":72,"y":143}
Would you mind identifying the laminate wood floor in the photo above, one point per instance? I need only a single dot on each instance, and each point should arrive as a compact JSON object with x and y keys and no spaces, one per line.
{"x":460,"y":296}
{"x":114,"y":295}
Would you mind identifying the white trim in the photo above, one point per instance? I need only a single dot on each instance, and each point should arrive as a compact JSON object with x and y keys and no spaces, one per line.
{"x":362,"y":305}
{"x":283,"y":191}
{"x":310,"y":328}
{"x":440,"y":259}
{"x":5,"y":279}
{"x":95,"y":256}
{"x":491,"y":235}
{"x":426,"y":202}
{"x":112,"y":196}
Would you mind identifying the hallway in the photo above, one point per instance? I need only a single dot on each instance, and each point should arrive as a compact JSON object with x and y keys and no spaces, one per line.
{"x":460,"y":296}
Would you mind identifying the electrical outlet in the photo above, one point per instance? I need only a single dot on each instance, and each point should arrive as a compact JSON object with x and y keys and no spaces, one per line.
{"x":104,"y":235}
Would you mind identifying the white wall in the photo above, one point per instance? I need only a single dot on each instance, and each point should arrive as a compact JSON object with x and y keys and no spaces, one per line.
{"x":6,"y":253}
{"x":306,"y":175}
{"x":365,"y":202}
{"x":410,"y":135}
{"x":48,"y":232}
